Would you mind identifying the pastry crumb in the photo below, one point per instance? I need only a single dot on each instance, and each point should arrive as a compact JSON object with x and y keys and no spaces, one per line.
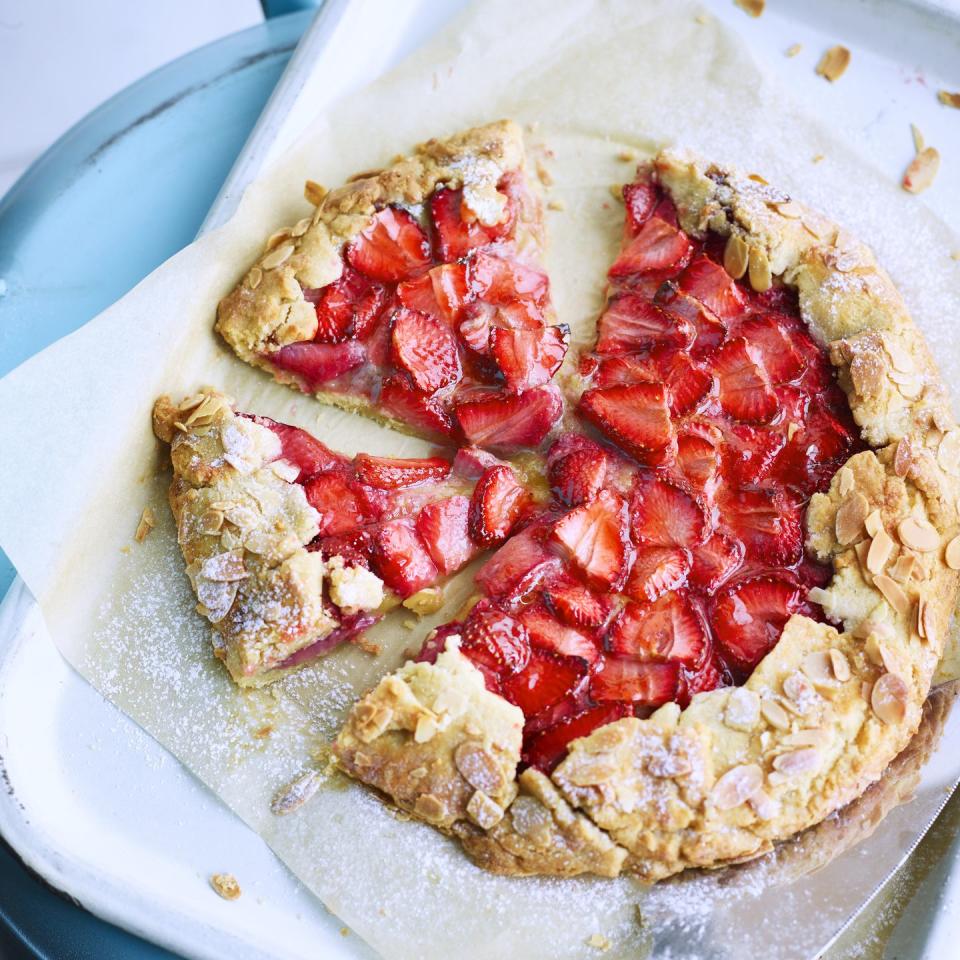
{"x":955,"y":255}
{"x":556,"y":205}
{"x":367,"y":645}
{"x":702,"y":18}
{"x":918,"y":142}
{"x":627,"y":155}
{"x":426,"y":601}
{"x":922,"y":170}
{"x":818,"y":158}
{"x":147,"y":522}
{"x":793,"y":49}
{"x":226,"y":886}
{"x":751,"y":7}
{"x":833,"y":64}
{"x":949,"y":99}
{"x":314,"y":192}
{"x":344,"y":931}
{"x":544,"y":175}
{"x":263,"y":732}
{"x":599,"y":942}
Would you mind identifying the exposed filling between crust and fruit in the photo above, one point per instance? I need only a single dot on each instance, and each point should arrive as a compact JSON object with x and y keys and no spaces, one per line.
{"x":672,"y":552}
{"x":441,"y":320}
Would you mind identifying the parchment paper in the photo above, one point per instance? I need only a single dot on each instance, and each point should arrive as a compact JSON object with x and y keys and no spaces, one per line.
{"x":80,"y":462}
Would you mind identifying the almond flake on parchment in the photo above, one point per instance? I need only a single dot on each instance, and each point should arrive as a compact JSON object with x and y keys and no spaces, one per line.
{"x":314,"y":192}
{"x":918,"y":142}
{"x":752,"y":7}
{"x":148,"y":521}
{"x":834,"y":63}
{"x":949,"y":99}
{"x":793,"y":49}
{"x":922,"y":170}
{"x":225,"y":884}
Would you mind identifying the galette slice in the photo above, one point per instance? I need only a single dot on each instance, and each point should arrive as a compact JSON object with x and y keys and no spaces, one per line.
{"x":415,"y":295}
{"x":724,"y":625}
{"x":292,"y":548}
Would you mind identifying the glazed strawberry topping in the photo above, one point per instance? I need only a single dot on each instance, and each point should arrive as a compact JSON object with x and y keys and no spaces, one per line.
{"x":435,"y":313}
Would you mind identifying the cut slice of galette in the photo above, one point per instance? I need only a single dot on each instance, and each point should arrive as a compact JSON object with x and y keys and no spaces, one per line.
{"x":724,"y":624}
{"x":415,"y":295}
{"x":292,"y":548}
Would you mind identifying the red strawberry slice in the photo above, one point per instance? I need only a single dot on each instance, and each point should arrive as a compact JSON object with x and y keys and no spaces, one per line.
{"x":426,"y":349}
{"x":388,"y":473}
{"x":401,"y":559}
{"x":472,"y":462}
{"x":656,"y":571}
{"x":496,"y":640}
{"x":545,"y":681}
{"x":708,"y":676}
{"x":337,"y":501}
{"x":458,"y":234}
{"x":595,"y":540}
{"x":451,"y":289}
{"x":575,"y":604}
{"x":319,"y":363}
{"x":817,"y":450}
{"x":499,"y":500}
{"x":507,"y":423}
{"x":710,"y":329}
{"x":547,"y":632}
{"x":647,"y":684}
{"x":630,"y":323}
{"x":709,"y":283}
{"x":658,"y":246}
{"x":748,"y":618}
{"x":745,"y":391}
{"x":640,"y":199}
{"x":663,"y":514}
{"x":414,"y":408}
{"x":687,"y":382}
{"x":668,"y":629}
{"x":698,"y":459}
{"x":420,"y":295}
{"x":547,"y":749}
{"x":501,"y":281}
{"x":780,"y":359}
{"x":768,"y":522}
{"x":444,"y":528}
{"x":750,"y":452}
{"x":519,"y":566}
{"x":355,"y":547}
{"x":714,"y":562}
{"x":635,"y":417}
{"x":628,"y":368}
{"x":529,"y":358}
{"x":576,"y":468}
{"x":303,"y":450}
{"x":347,"y":308}
{"x":392,"y":248}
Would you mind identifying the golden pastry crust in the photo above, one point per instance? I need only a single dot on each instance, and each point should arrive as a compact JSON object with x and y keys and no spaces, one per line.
{"x":267,"y":309}
{"x":243,"y":526}
{"x":825,"y":713}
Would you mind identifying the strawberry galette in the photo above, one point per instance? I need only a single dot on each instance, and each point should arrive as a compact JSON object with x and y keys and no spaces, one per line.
{"x":723,"y":624}
{"x":415,"y":295}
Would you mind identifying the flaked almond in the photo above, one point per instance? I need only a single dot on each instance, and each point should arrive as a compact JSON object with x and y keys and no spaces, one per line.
{"x":735,"y":256}
{"x":846,"y":481}
{"x":881,"y":548}
{"x":148,"y":521}
{"x":889,"y":698}
{"x":799,"y":691}
{"x":789,"y":209}
{"x":894,"y":594}
{"x":753,"y":7}
{"x":226,"y":885}
{"x":742,"y":710}
{"x":314,"y":192}
{"x":909,"y":387}
{"x":483,"y":811}
{"x":764,"y":806}
{"x":873,"y":523}
{"x":840,"y":665}
{"x":918,"y":142}
{"x":616,"y":191}
{"x":900,"y":356}
{"x":818,"y":595}
{"x":430,"y":807}
{"x":817,"y":667}
{"x":862,"y":550}
{"x":948,"y":452}
{"x":927,"y":620}
{"x":952,"y":553}
{"x":834,"y":63}
{"x":809,"y":737}
{"x":301,"y":227}
{"x":918,"y":534}
{"x":851,"y":517}
{"x":903,"y":458}
{"x":904,"y":568}
{"x":949,"y":99}
{"x":426,"y":728}
{"x":254,"y":277}
{"x":922,"y":170}
{"x":798,"y":762}
{"x":295,"y":794}
{"x":479,"y":768}
{"x":277,"y":256}
{"x":736,"y":786}
{"x":880,"y":653}
{"x":793,"y":49}
{"x":775,"y":715}
{"x":758,"y":270}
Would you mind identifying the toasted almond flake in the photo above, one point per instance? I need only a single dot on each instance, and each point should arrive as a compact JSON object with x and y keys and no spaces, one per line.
{"x":752,"y":7}
{"x":211,"y":521}
{"x":879,"y":553}
{"x":889,"y":698}
{"x":792,"y":429}
{"x":254,"y":277}
{"x":952,"y":553}
{"x":840,"y":664}
{"x":873,"y":523}
{"x":921,"y":625}
{"x":809,"y":737}
{"x":797,"y":762}
{"x":758,"y":270}
{"x":627,"y":155}
{"x":301,"y":227}
{"x":880,"y":653}
{"x":910,"y":387}
{"x":789,"y":209}
{"x":903,"y":569}
{"x":949,"y":99}
{"x":742,"y":710}
{"x":616,"y":191}
{"x":928,"y":621}
{"x":147,"y":522}
{"x":277,"y":256}
{"x":556,"y":205}
{"x":544,"y":175}
{"x":775,"y":715}
{"x":922,"y":170}
{"x":918,"y":534}
{"x":426,"y":601}
{"x":948,"y":452}
{"x":736,"y":786}
{"x":735,"y":255}
{"x":599,"y":942}
{"x":899,"y":355}
{"x":817,"y":667}
{"x":314,"y":192}
{"x":429,"y":806}
{"x":764,"y":806}
{"x":793,"y":49}
{"x":893,"y":593}
{"x":834,"y":63}
{"x":285,"y":470}
{"x":295,"y":794}
{"x":817,"y":158}
{"x":918,"y":141}
{"x":846,"y":482}
{"x":851,"y":517}
{"x":478,"y":767}
{"x":818,"y":595}
{"x":426,"y":728}
{"x":903,"y":458}
{"x":483,"y":811}
{"x":225,"y":884}
{"x":799,"y":691}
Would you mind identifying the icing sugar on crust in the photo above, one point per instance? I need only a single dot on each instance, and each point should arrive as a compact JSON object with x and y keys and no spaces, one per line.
{"x":827,"y":710}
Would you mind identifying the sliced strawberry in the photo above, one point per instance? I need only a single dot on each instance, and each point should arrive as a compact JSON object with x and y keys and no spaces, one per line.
{"x":656,"y":571}
{"x":519,"y":566}
{"x":640,"y":199}
{"x":444,"y":528}
{"x":809,"y":461}
{"x":668,"y":629}
{"x":499,"y":500}
{"x":658,"y":246}
{"x":594,"y":538}
{"x":709,"y":283}
{"x":547,"y":632}
{"x":415,"y":408}
{"x":748,"y":618}
{"x":388,"y":473}
{"x":576,"y":468}
{"x":319,"y":363}
{"x":529,"y":358}
{"x":547,"y":749}
{"x":356,"y":547}
{"x":419,"y":295}
{"x":543,"y":682}
{"x":635,"y":417}
{"x":631,"y":323}
{"x":698,"y":459}
{"x":303,"y":450}
{"x":426,"y":349}
{"x":745,"y":391}
{"x":458,"y":234}
{"x":663,"y":514}
{"x":627,"y":368}
{"x":393,"y":248}
{"x":401,"y":559}
{"x":780,"y":359}
{"x":501,"y":281}
{"x":347,"y":308}
{"x":633,"y":681}
{"x":337,"y":501}
{"x":714,"y":562}
{"x":451,"y":289}
{"x":688,"y":383}
{"x":470,"y":463}
{"x":575,"y":604}
{"x":768,"y":522}
{"x":750,"y":452}
{"x":496,"y":640}
{"x":508,"y":423}
{"x":710,"y":329}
